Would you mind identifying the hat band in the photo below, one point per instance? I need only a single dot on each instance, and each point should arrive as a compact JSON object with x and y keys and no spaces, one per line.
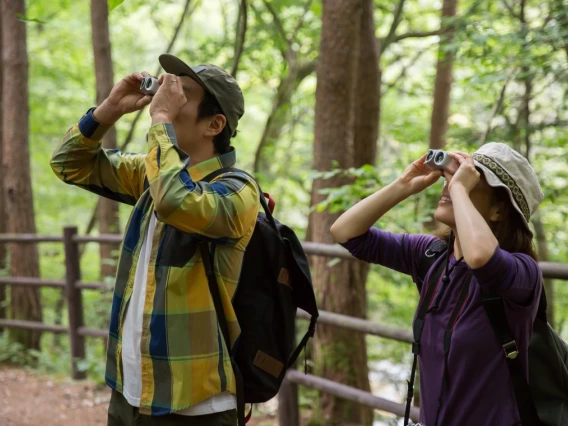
{"x":502,"y":174}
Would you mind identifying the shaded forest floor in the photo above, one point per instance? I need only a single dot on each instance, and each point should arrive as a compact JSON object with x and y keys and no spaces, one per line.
{"x":30,"y":399}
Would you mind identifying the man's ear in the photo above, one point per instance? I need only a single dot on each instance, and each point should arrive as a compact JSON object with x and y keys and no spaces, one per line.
{"x":216,"y":125}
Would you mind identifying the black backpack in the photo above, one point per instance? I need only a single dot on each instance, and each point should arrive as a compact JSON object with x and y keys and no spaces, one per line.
{"x":275,"y":280}
{"x":544,"y":400}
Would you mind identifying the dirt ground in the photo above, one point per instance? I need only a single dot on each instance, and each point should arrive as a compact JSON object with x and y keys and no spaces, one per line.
{"x":29,"y":399}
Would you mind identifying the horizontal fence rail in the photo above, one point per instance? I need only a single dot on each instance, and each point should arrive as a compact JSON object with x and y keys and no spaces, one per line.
{"x":551,"y":270}
{"x":350,"y":393}
{"x":288,"y":397}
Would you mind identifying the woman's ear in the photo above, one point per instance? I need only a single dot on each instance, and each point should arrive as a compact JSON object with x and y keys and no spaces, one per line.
{"x":495,"y":214}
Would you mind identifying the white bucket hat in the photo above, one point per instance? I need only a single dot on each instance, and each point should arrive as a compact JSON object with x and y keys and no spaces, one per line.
{"x":504,"y":167}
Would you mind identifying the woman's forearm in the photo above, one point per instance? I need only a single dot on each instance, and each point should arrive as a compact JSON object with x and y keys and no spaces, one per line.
{"x":359,"y":218}
{"x":476,"y":238}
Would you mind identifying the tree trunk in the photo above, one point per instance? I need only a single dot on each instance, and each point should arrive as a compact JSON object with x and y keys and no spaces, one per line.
{"x":443,"y":83}
{"x":339,"y":355}
{"x":17,"y":191}
{"x":542,"y":245}
{"x":280,"y":108}
{"x":108,"y":210}
{"x":2,"y":209}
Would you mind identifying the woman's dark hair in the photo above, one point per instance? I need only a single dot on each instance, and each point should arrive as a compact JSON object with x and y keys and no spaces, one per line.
{"x":208,"y":108}
{"x":511,"y":232}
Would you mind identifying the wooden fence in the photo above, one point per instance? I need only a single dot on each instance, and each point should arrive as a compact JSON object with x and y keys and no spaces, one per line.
{"x":288,"y":413}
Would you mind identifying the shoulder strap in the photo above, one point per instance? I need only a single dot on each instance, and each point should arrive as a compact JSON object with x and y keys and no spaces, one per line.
{"x":223,"y":325}
{"x":263,"y":203}
{"x":429,"y":257}
{"x":432,"y":253}
{"x":495,"y":310}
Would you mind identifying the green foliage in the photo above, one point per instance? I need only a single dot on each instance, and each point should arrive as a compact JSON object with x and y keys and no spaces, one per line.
{"x":491,"y":47}
{"x":113,"y":4}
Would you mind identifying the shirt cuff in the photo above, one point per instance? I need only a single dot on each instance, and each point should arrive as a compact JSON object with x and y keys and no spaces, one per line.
{"x":161,"y":132}
{"x":91,"y":128}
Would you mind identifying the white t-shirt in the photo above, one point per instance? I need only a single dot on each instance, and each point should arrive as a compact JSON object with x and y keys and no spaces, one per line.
{"x":131,"y":337}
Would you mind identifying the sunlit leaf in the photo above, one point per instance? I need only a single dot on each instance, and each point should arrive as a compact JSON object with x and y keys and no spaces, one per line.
{"x":113,"y":4}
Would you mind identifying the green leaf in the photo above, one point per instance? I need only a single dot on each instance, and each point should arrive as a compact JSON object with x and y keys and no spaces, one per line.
{"x":27,"y":19}
{"x":112,"y":4}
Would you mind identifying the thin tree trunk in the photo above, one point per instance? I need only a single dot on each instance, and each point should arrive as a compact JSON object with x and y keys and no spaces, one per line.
{"x":543,"y":256}
{"x":17,"y":191}
{"x":443,"y":83}
{"x":2,"y":209}
{"x":277,"y":118}
{"x":339,"y":355}
{"x":108,"y":209}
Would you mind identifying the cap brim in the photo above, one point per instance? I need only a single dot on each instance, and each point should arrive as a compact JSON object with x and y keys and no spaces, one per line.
{"x":173,"y":65}
{"x":495,"y":182}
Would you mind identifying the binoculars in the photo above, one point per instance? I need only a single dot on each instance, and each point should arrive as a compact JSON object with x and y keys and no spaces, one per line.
{"x":149,"y":86}
{"x":437,"y":159}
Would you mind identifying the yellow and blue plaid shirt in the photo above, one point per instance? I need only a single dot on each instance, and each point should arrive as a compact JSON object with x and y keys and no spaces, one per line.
{"x":184,"y":357}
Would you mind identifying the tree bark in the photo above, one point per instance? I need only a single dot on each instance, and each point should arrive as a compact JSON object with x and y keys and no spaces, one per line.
{"x":17,"y":190}
{"x":542,"y":245}
{"x":2,"y":209}
{"x":104,"y":74}
{"x":339,"y":355}
{"x":443,"y":83}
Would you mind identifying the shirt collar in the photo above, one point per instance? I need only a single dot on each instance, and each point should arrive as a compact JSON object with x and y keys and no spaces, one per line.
{"x":200,"y":170}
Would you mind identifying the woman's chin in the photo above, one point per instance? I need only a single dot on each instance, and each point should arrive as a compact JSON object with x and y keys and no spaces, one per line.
{"x":445,"y":215}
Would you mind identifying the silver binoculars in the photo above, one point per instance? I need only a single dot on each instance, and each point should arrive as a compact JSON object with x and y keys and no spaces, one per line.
{"x":149,"y":86}
{"x":437,"y":159}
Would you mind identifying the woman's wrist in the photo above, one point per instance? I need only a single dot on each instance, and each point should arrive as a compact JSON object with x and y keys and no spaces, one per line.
{"x":402,"y":188}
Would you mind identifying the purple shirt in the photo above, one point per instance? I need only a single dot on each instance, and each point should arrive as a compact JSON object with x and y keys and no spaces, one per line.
{"x":479,"y":390}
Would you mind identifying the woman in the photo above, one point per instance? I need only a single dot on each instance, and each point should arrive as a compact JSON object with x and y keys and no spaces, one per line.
{"x":487,"y":205}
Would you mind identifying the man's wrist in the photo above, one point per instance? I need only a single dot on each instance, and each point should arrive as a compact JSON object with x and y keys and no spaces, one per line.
{"x":107,"y":114}
{"x":160,"y":118}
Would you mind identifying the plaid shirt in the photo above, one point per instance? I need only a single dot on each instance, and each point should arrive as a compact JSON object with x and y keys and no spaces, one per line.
{"x":184,"y":357}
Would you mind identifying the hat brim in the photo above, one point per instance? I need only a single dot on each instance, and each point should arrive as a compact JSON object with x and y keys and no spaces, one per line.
{"x":493,"y":180}
{"x":173,"y":65}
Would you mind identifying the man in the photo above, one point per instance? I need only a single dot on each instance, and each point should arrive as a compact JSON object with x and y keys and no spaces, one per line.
{"x":167,"y":362}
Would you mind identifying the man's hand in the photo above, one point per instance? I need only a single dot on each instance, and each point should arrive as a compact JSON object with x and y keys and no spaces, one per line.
{"x":168,"y":100}
{"x":125,"y":97}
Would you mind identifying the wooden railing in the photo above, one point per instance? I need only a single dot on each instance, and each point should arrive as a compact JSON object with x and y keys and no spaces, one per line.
{"x":288,"y":413}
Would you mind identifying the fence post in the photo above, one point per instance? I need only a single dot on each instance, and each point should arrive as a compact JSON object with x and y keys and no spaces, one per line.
{"x":288,"y":411}
{"x":74,"y":300}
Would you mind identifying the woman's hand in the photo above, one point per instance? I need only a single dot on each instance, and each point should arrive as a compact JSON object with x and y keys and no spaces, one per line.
{"x":466,"y":176}
{"x":168,"y":100}
{"x":418,"y":176}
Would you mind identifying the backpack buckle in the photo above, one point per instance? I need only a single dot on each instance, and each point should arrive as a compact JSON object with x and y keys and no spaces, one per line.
{"x":511,"y":350}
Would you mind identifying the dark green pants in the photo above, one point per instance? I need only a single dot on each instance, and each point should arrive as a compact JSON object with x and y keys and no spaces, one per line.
{"x":121,"y":413}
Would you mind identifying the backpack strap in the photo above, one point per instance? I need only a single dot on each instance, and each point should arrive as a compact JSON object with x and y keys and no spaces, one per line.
{"x":207,"y":255}
{"x":432,"y":253}
{"x":223,"y":325}
{"x":495,"y":310}
{"x":267,"y":207}
{"x":429,"y":257}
